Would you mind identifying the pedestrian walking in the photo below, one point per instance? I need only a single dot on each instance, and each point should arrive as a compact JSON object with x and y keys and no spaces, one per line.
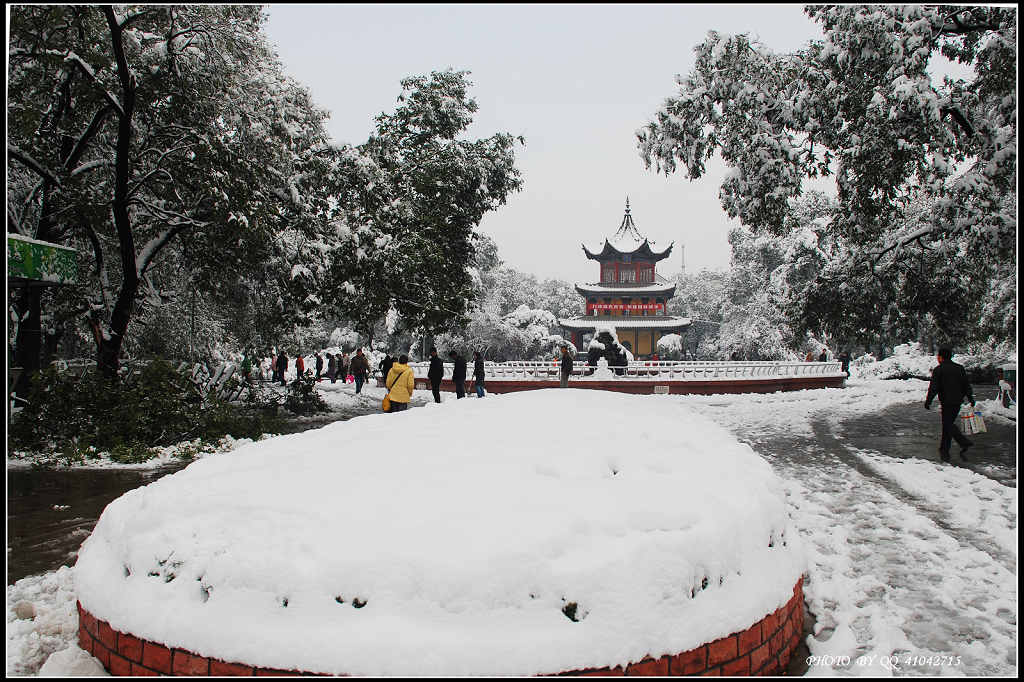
{"x":459,"y":374}
{"x":401,"y":382}
{"x":282,"y":367}
{"x":319,"y":366}
{"x":824,"y":355}
{"x":435,"y":374}
{"x":478,"y":374}
{"x":844,"y":358}
{"x":300,"y":366}
{"x":247,"y":367}
{"x":385,"y":364}
{"x":332,"y":367}
{"x":949,"y":382}
{"x":360,"y":368}
{"x":343,"y":367}
{"x":566,"y":370}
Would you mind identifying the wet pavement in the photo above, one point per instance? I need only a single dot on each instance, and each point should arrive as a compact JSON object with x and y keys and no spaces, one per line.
{"x":51,"y":511}
{"x":912,"y":431}
{"x":931,"y":581}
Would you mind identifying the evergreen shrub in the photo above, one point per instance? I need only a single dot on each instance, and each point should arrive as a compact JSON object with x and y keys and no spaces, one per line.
{"x":303,"y":398}
{"x":77,"y":417}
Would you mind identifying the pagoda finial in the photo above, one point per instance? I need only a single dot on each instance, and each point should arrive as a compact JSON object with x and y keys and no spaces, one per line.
{"x":627,"y":204}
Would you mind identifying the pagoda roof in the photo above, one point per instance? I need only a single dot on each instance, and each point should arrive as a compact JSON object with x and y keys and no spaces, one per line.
{"x":629,"y":289}
{"x":627,"y":240}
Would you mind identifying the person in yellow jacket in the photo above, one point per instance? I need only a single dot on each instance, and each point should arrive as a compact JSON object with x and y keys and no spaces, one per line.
{"x":400,"y":384}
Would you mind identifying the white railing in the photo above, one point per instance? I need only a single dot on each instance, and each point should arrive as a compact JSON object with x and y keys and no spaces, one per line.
{"x":644,"y":369}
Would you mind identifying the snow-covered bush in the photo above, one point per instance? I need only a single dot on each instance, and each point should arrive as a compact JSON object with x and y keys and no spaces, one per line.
{"x":670,"y":347}
{"x":910,"y":361}
{"x":605,"y":344}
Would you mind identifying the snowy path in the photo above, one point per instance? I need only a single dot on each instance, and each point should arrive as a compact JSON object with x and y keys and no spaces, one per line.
{"x":912,"y":563}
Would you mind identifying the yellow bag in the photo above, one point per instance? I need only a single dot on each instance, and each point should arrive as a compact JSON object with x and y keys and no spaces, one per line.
{"x":386,"y":403}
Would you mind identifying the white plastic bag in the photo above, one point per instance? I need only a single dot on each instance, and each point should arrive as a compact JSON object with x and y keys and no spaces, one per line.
{"x":967,"y":422}
{"x":979,"y":421}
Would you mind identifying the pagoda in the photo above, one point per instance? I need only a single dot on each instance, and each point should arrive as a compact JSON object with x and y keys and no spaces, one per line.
{"x":629,"y":294}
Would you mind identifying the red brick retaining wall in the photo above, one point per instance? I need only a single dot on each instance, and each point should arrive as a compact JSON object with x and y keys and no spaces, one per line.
{"x":762,"y":649}
{"x":646,"y":386}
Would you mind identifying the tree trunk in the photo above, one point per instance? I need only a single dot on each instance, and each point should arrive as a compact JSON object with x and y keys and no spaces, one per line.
{"x":110,"y":345}
{"x":28,"y":342}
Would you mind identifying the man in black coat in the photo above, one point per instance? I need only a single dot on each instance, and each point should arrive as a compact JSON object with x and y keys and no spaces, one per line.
{"x":478,"y":375}
{"x":459,"y":374}
{"x":385,"y":365}
{"x":435,"y":374}
{"x":282,"y":367}
{"x":949,"y":382}
{"x":566,"y":368}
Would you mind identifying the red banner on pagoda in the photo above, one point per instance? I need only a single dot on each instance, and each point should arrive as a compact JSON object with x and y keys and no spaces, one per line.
{"x":625,"y":307}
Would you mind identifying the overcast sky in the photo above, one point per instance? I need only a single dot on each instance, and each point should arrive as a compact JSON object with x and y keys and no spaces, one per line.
{"x":576,"y":81}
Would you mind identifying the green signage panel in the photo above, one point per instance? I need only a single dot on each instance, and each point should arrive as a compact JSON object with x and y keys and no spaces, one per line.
{"x":41,"y":262}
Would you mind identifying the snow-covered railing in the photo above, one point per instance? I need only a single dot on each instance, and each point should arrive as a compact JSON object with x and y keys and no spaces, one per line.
{"x":647,"y":369}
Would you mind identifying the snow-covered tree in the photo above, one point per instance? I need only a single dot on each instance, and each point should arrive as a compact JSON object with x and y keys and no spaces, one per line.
{"x":925,"y":170}
{"x":670,"y":347}
{"x":409,"y":240}
{"x":147,"y":130}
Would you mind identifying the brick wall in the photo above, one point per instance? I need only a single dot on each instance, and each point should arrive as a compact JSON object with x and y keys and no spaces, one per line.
{"x":762,"y":649}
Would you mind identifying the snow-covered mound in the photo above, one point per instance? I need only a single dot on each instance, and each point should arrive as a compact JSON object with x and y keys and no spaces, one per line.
{"x":520,"y":534}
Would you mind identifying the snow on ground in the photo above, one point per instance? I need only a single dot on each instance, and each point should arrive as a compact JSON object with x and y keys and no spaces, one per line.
{"x":166,"y":455}
{"x":911,"y":565}
{"x":970,"y":501}
{"x":993,"y":410}
{"x":892,"y":589}
{"x":757,"y":415}
{"x":459,"y":542}
{"x":31,"y":641}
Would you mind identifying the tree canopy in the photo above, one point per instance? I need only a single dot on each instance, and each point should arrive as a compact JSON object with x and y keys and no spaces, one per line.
{"x":407,"y":224}
{"x":152,"y":136}
{"x":925,"y":170}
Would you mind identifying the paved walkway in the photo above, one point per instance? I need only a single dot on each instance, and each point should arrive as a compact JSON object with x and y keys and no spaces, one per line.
{"x":908,"y":580}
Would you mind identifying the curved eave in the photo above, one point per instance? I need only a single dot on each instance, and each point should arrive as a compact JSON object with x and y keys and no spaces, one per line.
{"x":643,"y":251}
{"x":667,"y":290}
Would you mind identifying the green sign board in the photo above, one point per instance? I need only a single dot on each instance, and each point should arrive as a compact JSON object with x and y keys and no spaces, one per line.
{"x":30,"y":261}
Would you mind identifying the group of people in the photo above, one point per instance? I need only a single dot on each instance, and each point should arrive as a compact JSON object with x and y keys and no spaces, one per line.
{"x":338,"y":366}
{"x":843,"y":358}
{"x":399,"y":381}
